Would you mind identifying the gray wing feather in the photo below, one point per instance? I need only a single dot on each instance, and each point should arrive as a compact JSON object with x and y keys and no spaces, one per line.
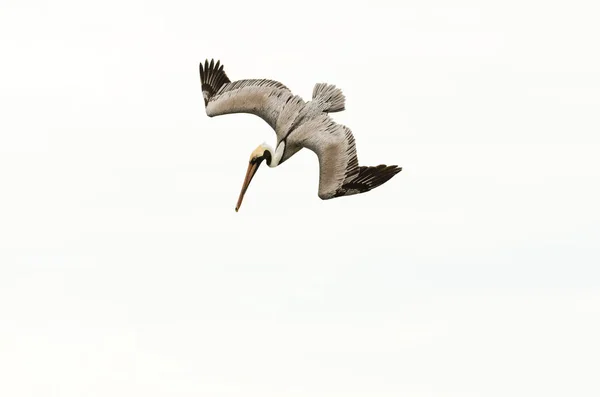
{"x":335,"y":147}
{"x":339,"y":172}
{"x":266,"y":99}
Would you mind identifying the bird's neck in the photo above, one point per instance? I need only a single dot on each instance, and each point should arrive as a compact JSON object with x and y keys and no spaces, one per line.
{"x":276,"y":155}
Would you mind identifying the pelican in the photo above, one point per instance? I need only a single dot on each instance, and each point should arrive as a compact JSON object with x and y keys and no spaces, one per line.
{"x":297,"y":124}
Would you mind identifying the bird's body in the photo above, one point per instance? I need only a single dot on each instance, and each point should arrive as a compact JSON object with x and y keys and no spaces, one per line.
{"x":297,"y":124}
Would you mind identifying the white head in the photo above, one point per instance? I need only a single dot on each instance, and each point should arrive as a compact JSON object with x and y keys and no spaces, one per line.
{"x":262,"y":152}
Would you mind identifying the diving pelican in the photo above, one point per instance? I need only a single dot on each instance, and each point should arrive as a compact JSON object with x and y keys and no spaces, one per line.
{"x":297,"y":124}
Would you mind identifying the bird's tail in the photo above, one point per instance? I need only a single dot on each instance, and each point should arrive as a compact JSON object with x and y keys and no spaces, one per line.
{"x":368,"y":178}
{"x":212,"y":77}
{"x":334,"y":99}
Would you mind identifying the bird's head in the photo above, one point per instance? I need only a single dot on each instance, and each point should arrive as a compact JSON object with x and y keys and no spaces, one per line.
{"x":262,"y":152}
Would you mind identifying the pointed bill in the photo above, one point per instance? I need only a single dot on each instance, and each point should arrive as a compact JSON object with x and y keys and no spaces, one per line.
{"x":252,"y":168}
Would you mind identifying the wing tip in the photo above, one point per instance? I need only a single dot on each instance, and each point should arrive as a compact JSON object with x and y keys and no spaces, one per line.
{"x":368,"y":178}
{"x":212,"y":78}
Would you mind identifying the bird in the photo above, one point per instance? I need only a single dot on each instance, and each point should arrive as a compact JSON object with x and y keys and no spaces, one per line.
{"x":297,"y":124}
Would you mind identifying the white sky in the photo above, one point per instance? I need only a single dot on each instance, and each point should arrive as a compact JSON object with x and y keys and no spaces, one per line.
{"x":124,"y":270}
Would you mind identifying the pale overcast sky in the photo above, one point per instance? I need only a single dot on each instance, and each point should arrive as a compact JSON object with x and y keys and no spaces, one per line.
{"x":124,"y":270}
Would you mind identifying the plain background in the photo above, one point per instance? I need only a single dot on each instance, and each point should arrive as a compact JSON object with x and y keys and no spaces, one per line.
{"x":124,"y":270}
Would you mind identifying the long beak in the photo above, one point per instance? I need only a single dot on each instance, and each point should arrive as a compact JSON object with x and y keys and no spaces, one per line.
{"x":252,"y":168}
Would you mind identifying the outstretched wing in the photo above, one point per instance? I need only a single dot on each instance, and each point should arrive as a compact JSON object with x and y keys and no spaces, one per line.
{"x":339,"y":172}
{"x":263,"y":98}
